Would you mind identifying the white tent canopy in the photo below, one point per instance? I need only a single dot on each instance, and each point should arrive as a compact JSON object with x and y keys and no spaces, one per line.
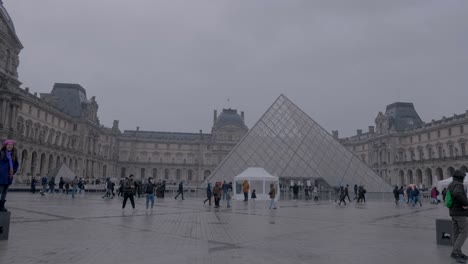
{"x":444,"y":183}
{"x":259,"y":180}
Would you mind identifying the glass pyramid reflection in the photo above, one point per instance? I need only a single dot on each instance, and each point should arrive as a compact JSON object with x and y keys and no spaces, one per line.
{"x":289,"y":144}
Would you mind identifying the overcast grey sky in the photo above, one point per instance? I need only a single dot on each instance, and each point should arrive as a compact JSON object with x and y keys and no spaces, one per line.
{"x":166,"y":65}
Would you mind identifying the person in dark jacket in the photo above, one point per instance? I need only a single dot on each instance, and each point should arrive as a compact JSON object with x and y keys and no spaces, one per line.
{"x":396,"y":194}
{"x":458,"y":212}
{"x":346,"y":190}
{"x":61,"y":184}
{"x":8,"y":167}
{"x":52,"y":185}
{"x":129,"y":189}
{"x":180,"y":190}
{"x":33,"y":185}
{"x":149,"y":190}
{"x":342,"y":196}
{"x":208,"y":194}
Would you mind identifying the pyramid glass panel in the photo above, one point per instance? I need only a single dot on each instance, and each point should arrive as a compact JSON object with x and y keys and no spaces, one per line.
{"x":289,"y":144}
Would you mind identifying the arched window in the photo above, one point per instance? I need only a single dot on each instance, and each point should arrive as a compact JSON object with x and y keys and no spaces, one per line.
{"x":33,"y":163}
{"x":51,"y":163}
{"x":42,"y":164}
{"x":206,"y":174}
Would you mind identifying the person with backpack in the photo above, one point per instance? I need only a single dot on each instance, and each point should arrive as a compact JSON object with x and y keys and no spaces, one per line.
{"x":457,"y":202}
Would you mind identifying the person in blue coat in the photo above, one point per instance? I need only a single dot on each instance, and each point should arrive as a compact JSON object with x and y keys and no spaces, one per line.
{"x":8,"y":167}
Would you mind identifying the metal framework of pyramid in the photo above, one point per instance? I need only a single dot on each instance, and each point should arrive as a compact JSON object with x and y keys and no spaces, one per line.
{"x":287,"y":143}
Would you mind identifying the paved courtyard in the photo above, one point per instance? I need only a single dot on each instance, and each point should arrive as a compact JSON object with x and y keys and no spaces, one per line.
{"x":58,"y":229}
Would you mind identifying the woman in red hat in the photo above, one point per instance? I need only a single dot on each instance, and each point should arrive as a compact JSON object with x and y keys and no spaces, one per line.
{"x":8,"y":167}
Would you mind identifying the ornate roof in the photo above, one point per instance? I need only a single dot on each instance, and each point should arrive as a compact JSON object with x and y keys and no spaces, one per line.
{"x":228,"y":117}
{"x":403,"y":116}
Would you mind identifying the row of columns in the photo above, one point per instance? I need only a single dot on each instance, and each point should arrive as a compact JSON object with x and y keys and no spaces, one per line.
{"x":8,"y":112}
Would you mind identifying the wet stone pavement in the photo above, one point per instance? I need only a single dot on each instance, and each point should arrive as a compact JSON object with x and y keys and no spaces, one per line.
{"x":89,"y":229}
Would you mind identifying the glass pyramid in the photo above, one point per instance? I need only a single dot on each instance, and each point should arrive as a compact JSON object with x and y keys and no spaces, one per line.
{"x":289,"y":144}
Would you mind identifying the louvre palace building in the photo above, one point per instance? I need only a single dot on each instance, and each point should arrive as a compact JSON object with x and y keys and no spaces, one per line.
{"x":63,"y":127}
{"x":402,"y":149}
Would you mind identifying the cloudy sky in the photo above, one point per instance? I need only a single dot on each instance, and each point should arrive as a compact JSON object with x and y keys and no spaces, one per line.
{"x":166,"y":65}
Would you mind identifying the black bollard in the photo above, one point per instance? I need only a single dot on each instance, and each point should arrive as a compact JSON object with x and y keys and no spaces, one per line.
{"x":4,"y":225}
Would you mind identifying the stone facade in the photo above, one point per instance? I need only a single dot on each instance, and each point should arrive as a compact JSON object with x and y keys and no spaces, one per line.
{"x":403,"y":149}
{"x":63,"y":127}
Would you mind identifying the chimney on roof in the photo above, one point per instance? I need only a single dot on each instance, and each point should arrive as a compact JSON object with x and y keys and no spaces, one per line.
{"x":359,"y":132}
{"x":35,"y":94}
{"x":115,"y":125}
{"x":27,"y":90}
{"x":215,"y":116}
{"x":335,"y":134}
{"x":371,"y":129}
{"x":138,"y":128}
{"x":242,"y":115}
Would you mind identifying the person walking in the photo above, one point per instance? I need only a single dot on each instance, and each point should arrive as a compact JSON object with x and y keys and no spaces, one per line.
{"x":149,"y":190}
{"x":401,"y":191}
{"x":74,"y":185}
{"x":346,"y":190}
{"x":128,"y":189}
{"x":295,"y":191}
{"x":108,"y":193}
{"x":217,"y":193}
{"x":8,"y":167}
{"x":458,"y":211}
{"x":272,"y":194}
{"x":224,"y":187}
{"x":33,"y":185}
{"x":396,"y":194}
{"x":180,"y":190}
{"x":208,"y":194}
{"x":245,"y":190}
{"x":415,"y":195}
{"x":44,"y":185}
{"x":355,"y":192}
{"x":434,"y":194}
{"x":342,"y":196}
{"x":52,"y":185}
{"x":61,"y":184}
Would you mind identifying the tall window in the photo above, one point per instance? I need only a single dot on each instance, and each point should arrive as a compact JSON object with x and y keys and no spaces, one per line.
{"x":155,"y":173}
{"x":419,"y":138}
{"x":463,"y":148}
{"x":421,"y":154}
{"x":429,"y":136}
{"x":123,"y":173}
{"x":462,"y":129}
{"x":438,"y":133}
{"x":439,"y":152}
{"x":450,"y":131}
{"x":142,"y":173}
{"x":451,"y":151}
{"x":166,"y":174}
{"x":190,"y":175}
{"x":178,"y":174}
{"x":429,"y":150}
{"x":411,"y":139}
